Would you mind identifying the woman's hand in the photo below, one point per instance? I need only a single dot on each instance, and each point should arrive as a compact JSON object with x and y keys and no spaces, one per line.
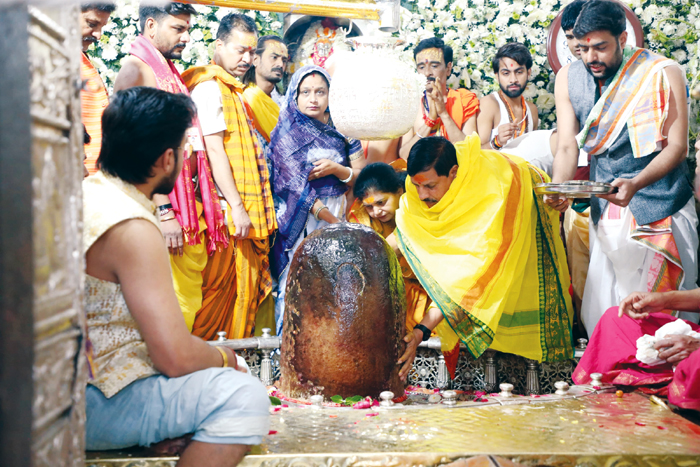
{"x":325,"y":167}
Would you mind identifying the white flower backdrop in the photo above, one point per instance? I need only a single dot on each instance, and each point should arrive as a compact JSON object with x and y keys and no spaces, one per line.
{"x":474,"y":28}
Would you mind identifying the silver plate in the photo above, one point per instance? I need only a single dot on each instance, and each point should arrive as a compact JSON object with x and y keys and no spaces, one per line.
{"x":575,"y":189}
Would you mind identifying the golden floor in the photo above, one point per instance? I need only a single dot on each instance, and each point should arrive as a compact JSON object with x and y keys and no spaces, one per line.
{"x":598,"y":429}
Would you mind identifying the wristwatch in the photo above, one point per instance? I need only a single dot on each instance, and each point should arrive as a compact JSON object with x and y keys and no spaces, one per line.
{"x":425,"y":330}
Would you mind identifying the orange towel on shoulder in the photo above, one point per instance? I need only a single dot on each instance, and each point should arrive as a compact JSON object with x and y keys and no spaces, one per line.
{"x":94,"y":100}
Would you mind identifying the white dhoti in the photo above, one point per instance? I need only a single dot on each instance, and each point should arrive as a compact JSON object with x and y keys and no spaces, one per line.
{"x":620,"y":265}
{"x":534,"y":147}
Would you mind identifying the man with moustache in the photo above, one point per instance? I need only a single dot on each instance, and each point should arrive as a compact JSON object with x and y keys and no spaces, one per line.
{"x":261,"y":95}
{"x":628,"y":109}
{"x":93,"y":95}
{"x":237,"y":278}
{"x":487,"y":251}
{"x":506,"y":121}
{"x":191,"y":217}
{"x":269,"y":65}
{"x":450,"y":113}
{"x":152,"y":380}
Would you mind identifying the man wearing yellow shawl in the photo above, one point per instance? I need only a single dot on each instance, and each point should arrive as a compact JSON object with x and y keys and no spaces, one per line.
{"x":261,"y":80}
{"x":486,"y":250}
{"x":236,"y":279}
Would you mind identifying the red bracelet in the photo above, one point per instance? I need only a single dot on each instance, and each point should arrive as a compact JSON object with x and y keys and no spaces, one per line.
{"x":428,"y":121}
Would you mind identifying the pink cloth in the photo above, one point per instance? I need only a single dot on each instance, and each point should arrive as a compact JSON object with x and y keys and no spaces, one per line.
{"x":611,"y":352}
{"x":183,"y":195}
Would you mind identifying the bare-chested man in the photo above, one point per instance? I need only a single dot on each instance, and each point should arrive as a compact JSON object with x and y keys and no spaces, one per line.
{"x":506,"y":121}
{"x":450,"y":113}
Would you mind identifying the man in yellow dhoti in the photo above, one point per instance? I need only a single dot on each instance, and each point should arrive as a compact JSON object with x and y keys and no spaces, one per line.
{"x":93,"y":95}
{"x":486,"y":250}
{"x":236,"y":279}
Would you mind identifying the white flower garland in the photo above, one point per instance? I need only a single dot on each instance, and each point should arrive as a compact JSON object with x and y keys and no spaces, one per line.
{"x":474,"y":28}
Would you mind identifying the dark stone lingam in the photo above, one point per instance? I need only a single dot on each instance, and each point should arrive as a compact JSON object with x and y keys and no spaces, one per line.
{"x":345,"y":315}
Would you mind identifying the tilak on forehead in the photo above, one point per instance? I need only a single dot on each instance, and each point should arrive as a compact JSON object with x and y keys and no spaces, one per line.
{"x":278,"y":48}
{"x":419,"y":178}
{"x":369,"y":200}
{"x":250,"y":41}
{"x":429,"y":55}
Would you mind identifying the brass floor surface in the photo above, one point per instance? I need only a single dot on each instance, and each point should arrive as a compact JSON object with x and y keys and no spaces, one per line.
{"x":595,"y":430}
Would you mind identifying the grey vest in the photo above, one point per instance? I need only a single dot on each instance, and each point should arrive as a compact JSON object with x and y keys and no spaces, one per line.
{"x":650,"y":204}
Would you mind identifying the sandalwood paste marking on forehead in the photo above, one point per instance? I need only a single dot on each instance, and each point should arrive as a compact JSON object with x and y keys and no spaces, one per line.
{"x":250,"y":41}
{"x":419,"y":178}
{"x":278,"y":48}
{"x":429,"y":55}
{"x":369,"y":200}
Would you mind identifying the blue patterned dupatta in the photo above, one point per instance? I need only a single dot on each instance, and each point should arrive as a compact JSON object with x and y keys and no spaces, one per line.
{"x":296,"y":142}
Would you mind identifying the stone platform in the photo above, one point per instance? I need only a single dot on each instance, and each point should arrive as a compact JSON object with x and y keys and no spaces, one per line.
{"x":586,"y":428}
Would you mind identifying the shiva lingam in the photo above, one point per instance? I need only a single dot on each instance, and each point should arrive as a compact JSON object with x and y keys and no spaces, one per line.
{"x":345,"y":316}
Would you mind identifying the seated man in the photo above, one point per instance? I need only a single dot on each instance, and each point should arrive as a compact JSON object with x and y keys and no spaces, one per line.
{"x":450,"y":113}
{"x":506,"y":121}
{"x":152,"y":379}
{"x":486,"y":250}
{"x":628,"y":109}
{"x":612,"y":349}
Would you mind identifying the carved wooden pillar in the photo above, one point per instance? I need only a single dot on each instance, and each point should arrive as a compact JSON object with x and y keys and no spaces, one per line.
{"x":41,"y":278}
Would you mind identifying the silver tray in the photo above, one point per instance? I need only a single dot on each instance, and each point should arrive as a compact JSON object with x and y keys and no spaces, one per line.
{"x":575,"y":189}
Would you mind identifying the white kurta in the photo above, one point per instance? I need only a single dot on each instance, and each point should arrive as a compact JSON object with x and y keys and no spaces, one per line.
{"x":620,"y":266}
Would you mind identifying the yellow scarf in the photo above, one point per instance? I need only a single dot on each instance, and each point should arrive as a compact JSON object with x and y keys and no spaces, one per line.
{"x":490,"y":257}
{"x":266,"y":112}
{"x":247,"y":160}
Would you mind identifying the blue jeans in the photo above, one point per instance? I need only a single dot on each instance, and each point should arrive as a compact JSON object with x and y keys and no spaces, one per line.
{"x":218,"y":405}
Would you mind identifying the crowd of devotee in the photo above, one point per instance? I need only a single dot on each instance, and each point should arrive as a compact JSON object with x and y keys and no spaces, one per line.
{"x":201,"y":186}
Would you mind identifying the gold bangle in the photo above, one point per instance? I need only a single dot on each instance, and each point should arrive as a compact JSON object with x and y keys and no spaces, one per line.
{"x":224,"y":356}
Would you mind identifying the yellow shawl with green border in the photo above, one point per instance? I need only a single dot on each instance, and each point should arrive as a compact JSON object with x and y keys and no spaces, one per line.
{"x":490,"y":257}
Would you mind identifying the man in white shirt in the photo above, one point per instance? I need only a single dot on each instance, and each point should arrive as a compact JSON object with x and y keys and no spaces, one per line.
{"x":236,"y":279}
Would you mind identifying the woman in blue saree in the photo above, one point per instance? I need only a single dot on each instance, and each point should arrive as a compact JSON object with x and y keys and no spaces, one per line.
{"x":313,"y":166}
